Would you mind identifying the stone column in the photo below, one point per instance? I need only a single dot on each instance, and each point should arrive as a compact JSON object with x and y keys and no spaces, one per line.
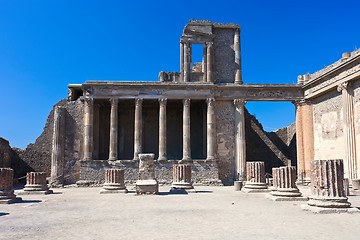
{"x":138,"y":128}
{"x":327,"y":187}
{"x":186,"y":62}
{"x":36,"y":184}
{"x":182,"y":61}
{"x":181,"y":177}
{"x":6,"y":186}
{"x":186,"y":131}
{"x":238,"y":78}
{"x":304,"y":137}
{"x":147,"y":183}
{"x":162,"y":129}
{"x":113,"y":148}
{"x":88,"y":131}
{"x":204,"y":63}
{"x":58,"y":147}
{"x":114,"y":181}
{"x":209,"y":73}
{"x":350,"y":161}
{"x":240,"y":157}
{"x":285,"y":189}
{"x":255,"y":177}
{"x":211,"y":130}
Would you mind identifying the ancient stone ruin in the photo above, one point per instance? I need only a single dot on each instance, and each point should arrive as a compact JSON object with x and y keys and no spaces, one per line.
{"x":6,"y":186}
{"x":147,"y":184}
{"x":36,"y":184}
{"x":114,"y":181}
{"x":182,"y":179}
{"x":255,"y":177}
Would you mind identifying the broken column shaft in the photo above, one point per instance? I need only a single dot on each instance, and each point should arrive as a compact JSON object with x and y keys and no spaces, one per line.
{"x":114,"y":181}
{"x":255,"y":176}
{"x":6,"y":186}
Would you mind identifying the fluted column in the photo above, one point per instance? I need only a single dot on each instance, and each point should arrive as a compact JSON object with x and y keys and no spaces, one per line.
{"x":114,"y":181}
{"x":255,"y":177}
{"x":186,"y":131}
{"x":58,"y":147}
{"x":113,"y":148}
{"x":6,"y":186}
{"x":285,"y":185}
{"x":162,"y":129}
{"x":138,"y":128}
{"x":36,"y":183}
{"x":181,"y":177}
{"x":238,"y":78}
{"x":211,"y":130}
{"x":186,"y":62}
{"x":204,"y":63}
{"x":240,"y":157}
{"x":209,"y":72}
{"x":350,"y":161}
{"x":88,"y":125}
{"x":276,"y":178}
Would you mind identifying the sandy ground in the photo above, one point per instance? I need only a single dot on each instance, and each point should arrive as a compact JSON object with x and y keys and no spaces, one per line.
{"x":212,"y":213}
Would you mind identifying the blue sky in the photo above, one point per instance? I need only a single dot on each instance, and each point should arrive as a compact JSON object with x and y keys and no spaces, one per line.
{"x":46,"y":45}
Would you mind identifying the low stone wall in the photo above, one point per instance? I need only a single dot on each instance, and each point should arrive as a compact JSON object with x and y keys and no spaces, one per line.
{"x":93,"y":172}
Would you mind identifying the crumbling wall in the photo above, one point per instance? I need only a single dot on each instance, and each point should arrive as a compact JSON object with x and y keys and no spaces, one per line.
{"x":5,"y":153}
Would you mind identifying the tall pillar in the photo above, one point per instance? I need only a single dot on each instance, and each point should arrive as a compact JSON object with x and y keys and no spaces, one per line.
{"x":204,"y":63}
{"x":209,"y":73}
{"x":240,"y":157}
{"x":138,"y":128}
{"x":182,"y":61}
{"x":88,"y":131}
{"x":211,"y":130}
{"x":162,"y":129}
{"x":186,"y":131}
{"x":186,"y":62}
{"x":350,"y":161}
{"x":304,"y":137}
{"x":238,"y":78}
{"x":113,"y":148}
{"x":58,"y":147}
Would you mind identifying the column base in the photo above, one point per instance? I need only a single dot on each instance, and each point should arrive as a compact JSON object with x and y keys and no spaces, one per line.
{"x":7,"y":197}
{"x":186,"y":160}
{"x":105,"y":191}
{"x":329,"y":202}
{"x":12,"y":200}
{"x":253,"y":187}
{"x":35,"y":192}
{"x":283,"y":198}
{"x":323,"y":210}
{"x":163,"y":159}
{"x":147,"y":187}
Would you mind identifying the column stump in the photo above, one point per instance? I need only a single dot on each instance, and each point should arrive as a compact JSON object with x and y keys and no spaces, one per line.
{"x":35,"y":184}
{"x":114,"y":181}
{"x":147,"y":184}
{"x":7,"y":195}
{"x":327,"y":188}
{"x":182,"y":179}
{"x":284,"y":187}
{"x":255,"y":178}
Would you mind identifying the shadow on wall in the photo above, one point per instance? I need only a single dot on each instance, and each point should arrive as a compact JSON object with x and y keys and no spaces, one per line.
{"x":274,"y":148}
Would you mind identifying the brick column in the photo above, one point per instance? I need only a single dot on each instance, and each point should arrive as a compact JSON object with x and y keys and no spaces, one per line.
{"x":114,"y":121}
{"x":186,"y":131}
{"x":187,"y":62}
{"x":238,"y":78}
{"x":240,"y":151}
{"x":6,"y":186}
{"x":181,"y":177}
{"x":211,"y":130}
{"x":114,"y":181}
{"x":138,"y":128}
{"x":88,"y":128}
{"x":255,"y":177}
{"x":162,"y":129}
{"x":284,"y":188}
{"x":209,"y":72}
{"x":36,"y":184}
{"x":58,"y":148}
{"x":327,"y":187}
{"x":350,"y":160}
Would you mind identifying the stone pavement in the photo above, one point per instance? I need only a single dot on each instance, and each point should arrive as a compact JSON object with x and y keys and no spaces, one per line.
{"x":212,"y":213}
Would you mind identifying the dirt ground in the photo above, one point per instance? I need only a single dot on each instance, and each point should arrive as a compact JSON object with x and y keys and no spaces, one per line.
{"x":212,"y":213}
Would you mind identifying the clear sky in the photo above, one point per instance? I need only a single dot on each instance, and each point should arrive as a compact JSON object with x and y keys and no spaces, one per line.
{"x":46,"y":45}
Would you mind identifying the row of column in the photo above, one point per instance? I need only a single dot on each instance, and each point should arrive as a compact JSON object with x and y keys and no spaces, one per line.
{"x":185,"y":61}
{"x":113,"y":145}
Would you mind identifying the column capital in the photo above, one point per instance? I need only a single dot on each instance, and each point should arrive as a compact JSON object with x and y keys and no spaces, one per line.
{"x":209,"y":44}
{"x":88,"y":101}
{"x":114,"y":100}
{"x":210,"y":101}
{"x":138,"y":101}
{"x":302,"y":102}
{"x":162,"y":101}
{"x":344,"y":86}
{"x":186,"y":102}
{"x":238,"y":102}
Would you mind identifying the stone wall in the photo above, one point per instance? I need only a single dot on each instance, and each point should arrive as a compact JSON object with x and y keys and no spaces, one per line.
{"x":5,"y":153}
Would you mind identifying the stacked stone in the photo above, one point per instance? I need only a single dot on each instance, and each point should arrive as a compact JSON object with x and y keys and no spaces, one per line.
{"x":182,"y":178}
{"x":114,"y":181}
{"x":147,"y":184}
{"x":36,"y":184}
{"x":327,"y":188}
{"x":6,"y":186}
{"x":255,"y":177}
{"x":285,"y":189}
